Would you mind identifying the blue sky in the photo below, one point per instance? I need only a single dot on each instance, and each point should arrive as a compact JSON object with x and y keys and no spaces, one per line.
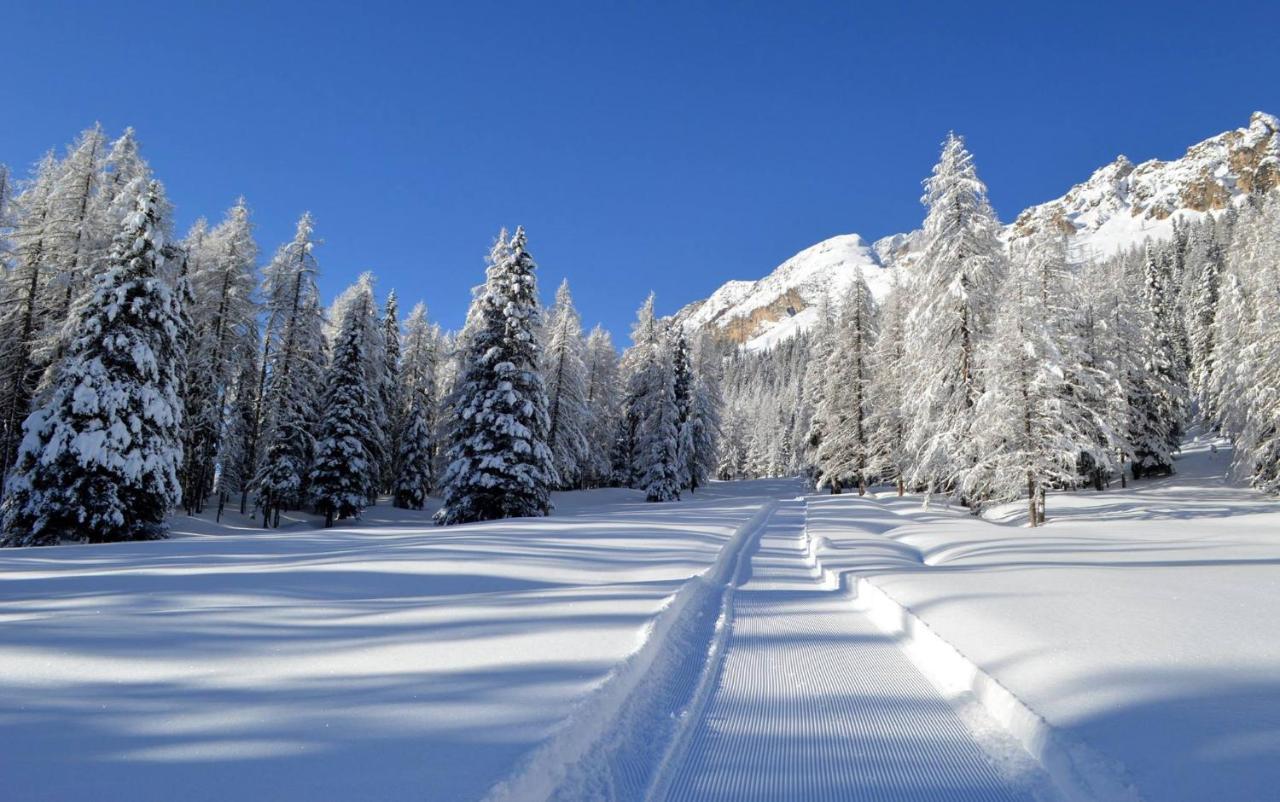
{"x":664,"y":146}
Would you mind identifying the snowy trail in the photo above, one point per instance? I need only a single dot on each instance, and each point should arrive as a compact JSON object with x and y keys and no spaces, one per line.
{"x":814,"y":702}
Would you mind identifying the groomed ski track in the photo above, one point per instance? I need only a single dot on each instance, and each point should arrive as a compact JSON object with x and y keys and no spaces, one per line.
{"x":814,"y":702}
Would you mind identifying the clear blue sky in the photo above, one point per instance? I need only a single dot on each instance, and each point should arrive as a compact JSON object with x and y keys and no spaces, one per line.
{"x":657,"y":145}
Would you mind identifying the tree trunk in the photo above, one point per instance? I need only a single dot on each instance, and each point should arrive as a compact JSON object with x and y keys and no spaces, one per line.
{"x":1032,"y":514}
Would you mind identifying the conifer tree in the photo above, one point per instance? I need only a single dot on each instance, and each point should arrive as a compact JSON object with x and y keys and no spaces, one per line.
{"x":657,"y":435}
{"x":413,"y":480}
{"x":887,"y":390}
{"x":705,"y":412}
{"x":221,"y":267}
{"x":343,"y":472}
{"x":844,"y":456}
{"x":499,"y":465}
{"x":565,"y":373}
{"x":956,"y":276}
{"x":293,"y":354}
{"x":99,"y":459}
{"x":603,"y":402}
{"x":391,"y":391}
{"x":1156,"y":403}
{"x":26,"y":287}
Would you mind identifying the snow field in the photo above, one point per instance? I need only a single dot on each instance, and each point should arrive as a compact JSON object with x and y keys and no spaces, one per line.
{"x":1131,"y":644}
{"x":387,"y":659}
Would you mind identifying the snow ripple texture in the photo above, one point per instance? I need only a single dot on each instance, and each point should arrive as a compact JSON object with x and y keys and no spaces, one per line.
{"x":813,"y":702}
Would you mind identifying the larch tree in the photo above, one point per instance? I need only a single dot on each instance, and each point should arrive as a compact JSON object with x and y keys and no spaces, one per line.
{"x":99,"y":459}
{"x":603,"y":401}
{"x":844,"y":457}
{"x":887,"y":391}
{"x":955,"y":280}
{"x":223,"y":316}
{"x":27,"y":295}
{"x":566,"y":378}
{"x":499,"y":465}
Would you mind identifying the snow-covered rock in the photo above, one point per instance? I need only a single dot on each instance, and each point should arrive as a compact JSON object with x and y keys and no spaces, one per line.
{"x":761,"y":313}
{"x":1118,"y":207}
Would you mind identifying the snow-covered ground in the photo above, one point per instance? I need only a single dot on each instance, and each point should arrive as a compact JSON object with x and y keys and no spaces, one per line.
{"x":1132,"y":644}
{"x":1140,"y":624}
{"x":388,"y":660}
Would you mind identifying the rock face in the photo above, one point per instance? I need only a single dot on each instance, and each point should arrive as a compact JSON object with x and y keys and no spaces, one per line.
{"x":1122,"y":204}
{"x":1118,"y":207}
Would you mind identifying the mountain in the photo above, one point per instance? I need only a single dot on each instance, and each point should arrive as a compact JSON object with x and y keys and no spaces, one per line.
{"x":761,"y":313}
{"x":1118,"y":207}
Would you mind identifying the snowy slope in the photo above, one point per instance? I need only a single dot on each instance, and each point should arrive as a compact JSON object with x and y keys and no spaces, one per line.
{"x":777,"y":306}
{"x":387,"y":660}
{"x":1118,"y":207}
{"x":1139,"y":623}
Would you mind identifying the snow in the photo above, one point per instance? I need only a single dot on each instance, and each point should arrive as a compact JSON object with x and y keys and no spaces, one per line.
{"x":1139,"y":624}
{"x":825,"y":268}
{"x":1130,"y":645}
{"x":386,"y":659}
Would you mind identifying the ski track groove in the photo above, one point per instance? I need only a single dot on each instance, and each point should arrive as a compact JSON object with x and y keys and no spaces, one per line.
{"x":813,"y":702}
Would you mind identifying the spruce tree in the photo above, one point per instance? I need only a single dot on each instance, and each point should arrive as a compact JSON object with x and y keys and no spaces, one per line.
{"x":343,"y":472}
{"x":99,"y":460}
{"x":292,"y":365}
{"x":499,"y":465}
{"x":657,"y":437}
{"x":705,"y":412}
{"x":413,"y":479}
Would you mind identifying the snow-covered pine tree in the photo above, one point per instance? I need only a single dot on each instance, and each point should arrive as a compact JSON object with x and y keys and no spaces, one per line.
{"x":814,"y":384}
{"x":238,"y":450}
{"x":413,"y":479}
{"x":603,"y":404}
{"x":682,"y":385}
{"x":1157,"y":391}
{"x":705,"y":412}
{"x":657,"y":436}
{"x":223,"y":314}
{"x":887,"y":391}
{"x":956,"y":276}
{"x":1205,"y":259}
{"x":1255,"y":262}
{"x":26,"y":289}
{"x":80,"y":230}
{"x":844,"y":456}
{"x":420,"y":369}
{"x":391,"y":392}
{"x":566,"y":379}
{"x":293,"y":359}
{"x":633,"y":368}
{"x":99,"y":460}
{"x":499,"y":465}
{"x":343,"y":471}
{"x":1030,"y":427}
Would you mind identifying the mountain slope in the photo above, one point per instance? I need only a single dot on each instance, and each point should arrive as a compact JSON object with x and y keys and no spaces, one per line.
{"x":1118,"y":207}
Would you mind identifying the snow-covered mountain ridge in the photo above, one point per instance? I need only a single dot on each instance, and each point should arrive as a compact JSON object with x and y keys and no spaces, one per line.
{"x":1119,"y":206}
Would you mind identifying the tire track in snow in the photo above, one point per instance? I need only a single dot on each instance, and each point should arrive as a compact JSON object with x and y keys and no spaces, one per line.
{"x":814,"y":702}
